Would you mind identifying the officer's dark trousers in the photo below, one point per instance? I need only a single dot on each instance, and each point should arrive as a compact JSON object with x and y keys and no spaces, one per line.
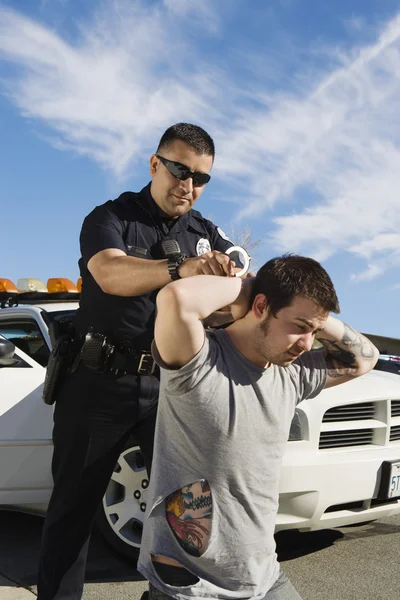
{"x":92,"y":421}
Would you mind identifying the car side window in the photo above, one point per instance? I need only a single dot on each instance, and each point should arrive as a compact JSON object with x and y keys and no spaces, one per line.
{"x":26,"y":335}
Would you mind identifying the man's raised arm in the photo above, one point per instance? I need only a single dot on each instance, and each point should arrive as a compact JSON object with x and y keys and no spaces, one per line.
{"x":348,"y":353}
{"x":181,"y":307}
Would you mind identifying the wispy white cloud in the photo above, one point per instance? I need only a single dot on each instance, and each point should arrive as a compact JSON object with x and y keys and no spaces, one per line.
{"x":108,"y":94}
{"x":339,"y":142}
{"x":199,"y":14}
{"x":372,"y":271}
{"x":356,"y":22}
{"x":326,"y":153}
{"x":384,"y":248}
{"x":380,"y":243}
{"x":44,"y":4}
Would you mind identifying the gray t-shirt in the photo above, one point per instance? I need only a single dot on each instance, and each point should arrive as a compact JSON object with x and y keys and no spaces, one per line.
{"x":224,"y":419}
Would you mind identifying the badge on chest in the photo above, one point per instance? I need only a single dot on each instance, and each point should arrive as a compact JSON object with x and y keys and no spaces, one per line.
{"x":203,"y":246}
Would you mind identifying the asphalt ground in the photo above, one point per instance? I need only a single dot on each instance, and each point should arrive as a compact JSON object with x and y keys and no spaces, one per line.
{"x":351,"y":563}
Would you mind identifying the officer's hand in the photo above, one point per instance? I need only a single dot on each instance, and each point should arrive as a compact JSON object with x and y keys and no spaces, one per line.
{"x":211,"y":263}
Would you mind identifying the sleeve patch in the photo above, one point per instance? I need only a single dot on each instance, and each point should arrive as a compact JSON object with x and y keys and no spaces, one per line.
{"x":223,"y":235}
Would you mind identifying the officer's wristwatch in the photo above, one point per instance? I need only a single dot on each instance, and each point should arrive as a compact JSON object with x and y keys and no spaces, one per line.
{"x":174,"y":262}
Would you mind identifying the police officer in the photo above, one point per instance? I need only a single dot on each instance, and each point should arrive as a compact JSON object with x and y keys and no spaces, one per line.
{"x":131,"y":247}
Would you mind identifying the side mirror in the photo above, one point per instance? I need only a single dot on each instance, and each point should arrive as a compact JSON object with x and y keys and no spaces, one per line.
{"x":7,"y":350}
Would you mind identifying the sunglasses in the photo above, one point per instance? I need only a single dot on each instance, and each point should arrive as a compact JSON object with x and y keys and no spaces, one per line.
{"x":182,"y":172}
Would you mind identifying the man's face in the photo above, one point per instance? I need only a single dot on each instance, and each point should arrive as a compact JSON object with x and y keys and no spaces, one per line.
{"x":282,"y":339}
{"x":173,"y":196}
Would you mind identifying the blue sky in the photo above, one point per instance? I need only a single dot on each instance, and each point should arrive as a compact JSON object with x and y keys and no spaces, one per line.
{"x":302,"y":98}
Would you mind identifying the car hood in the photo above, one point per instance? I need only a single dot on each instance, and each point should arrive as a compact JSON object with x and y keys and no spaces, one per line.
{"x":372,"y":386}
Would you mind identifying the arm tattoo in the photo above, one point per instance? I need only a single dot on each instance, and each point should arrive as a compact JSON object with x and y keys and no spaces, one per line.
{"x":189,"y":513}
{"x":342,"y":356}
{"x":337,"y":368}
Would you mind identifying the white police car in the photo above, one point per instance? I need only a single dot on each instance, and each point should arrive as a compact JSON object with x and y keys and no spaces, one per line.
{"x":341,"y":466}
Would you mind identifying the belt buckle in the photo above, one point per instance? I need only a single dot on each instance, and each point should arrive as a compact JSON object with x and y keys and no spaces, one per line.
{"x":146,"y":360}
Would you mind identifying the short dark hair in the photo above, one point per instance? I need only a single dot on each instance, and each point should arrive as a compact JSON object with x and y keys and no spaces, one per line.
{"x":193,"y":135}
{"x":284,"y":277}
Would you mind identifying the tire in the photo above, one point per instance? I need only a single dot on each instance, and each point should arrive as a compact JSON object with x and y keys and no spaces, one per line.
{"x":121,"y":514}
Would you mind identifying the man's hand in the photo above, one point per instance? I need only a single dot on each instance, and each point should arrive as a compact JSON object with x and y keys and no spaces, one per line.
{"x":210,"y":263}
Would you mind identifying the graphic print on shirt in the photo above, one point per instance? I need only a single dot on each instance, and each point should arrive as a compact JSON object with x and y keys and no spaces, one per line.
{"x":189,"y":515}
{"x":203,"y":246}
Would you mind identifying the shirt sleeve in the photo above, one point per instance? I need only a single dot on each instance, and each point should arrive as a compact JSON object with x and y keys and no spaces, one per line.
{"x":101,"y":230}
{"x":312,"y":374}
{"x":219,"y":240}
{"x":181,"y":381}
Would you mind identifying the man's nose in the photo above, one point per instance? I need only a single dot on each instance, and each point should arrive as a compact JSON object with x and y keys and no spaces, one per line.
{"x":187,"y":185}
{"x":306,"y":342}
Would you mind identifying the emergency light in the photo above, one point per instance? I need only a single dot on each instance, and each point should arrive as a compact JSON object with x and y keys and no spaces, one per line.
{"x":6,"y":285}
{"x":60,"y":284}
{"x":31,"y":285}
{"x":55,"y":285}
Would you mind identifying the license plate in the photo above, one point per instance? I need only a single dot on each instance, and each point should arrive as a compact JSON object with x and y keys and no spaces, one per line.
{"x":390,"y":484}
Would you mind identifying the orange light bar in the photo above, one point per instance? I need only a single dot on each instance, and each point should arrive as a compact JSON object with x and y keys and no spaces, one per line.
{"x":79,"y":284}
{"x":6,"y":285}
{"x":31,"y":285}
{"x":60,"y":284}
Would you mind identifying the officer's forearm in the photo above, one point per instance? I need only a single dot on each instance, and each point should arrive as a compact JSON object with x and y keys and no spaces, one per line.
{"x":131,"y":276}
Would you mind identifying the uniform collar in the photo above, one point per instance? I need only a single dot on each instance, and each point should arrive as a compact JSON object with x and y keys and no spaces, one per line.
{"x":180,"y":223}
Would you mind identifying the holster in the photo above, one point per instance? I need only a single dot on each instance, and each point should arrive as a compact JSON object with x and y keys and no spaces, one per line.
{"x":64,"y":350}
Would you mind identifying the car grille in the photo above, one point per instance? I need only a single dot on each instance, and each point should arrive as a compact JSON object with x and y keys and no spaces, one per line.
{"x":340,"y":439}
{"x":361,"y":424}
{"x":350,"y":412}
{"x":395,"y":408}
{"x":395,"y":433}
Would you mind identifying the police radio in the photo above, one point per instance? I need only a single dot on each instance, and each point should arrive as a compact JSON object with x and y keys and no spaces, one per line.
{"x":170,"y":247}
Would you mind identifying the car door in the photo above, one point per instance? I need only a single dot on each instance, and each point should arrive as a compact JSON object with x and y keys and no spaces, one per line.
{"x":25,"y":421}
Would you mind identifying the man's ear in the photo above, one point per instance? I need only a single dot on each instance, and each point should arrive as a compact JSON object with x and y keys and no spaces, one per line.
{"x":154,"y":162}
{"x":260,"y":306}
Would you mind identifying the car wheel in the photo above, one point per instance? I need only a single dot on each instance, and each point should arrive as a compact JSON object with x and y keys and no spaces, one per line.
{"x":121,"y":515}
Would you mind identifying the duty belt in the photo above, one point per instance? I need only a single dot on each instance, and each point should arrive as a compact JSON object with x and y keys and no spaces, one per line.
{"x":99,"y":354}
{"x":133,"y":363}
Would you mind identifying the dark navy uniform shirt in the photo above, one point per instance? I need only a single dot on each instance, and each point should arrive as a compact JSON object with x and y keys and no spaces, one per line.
{"x":134,"y":224}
